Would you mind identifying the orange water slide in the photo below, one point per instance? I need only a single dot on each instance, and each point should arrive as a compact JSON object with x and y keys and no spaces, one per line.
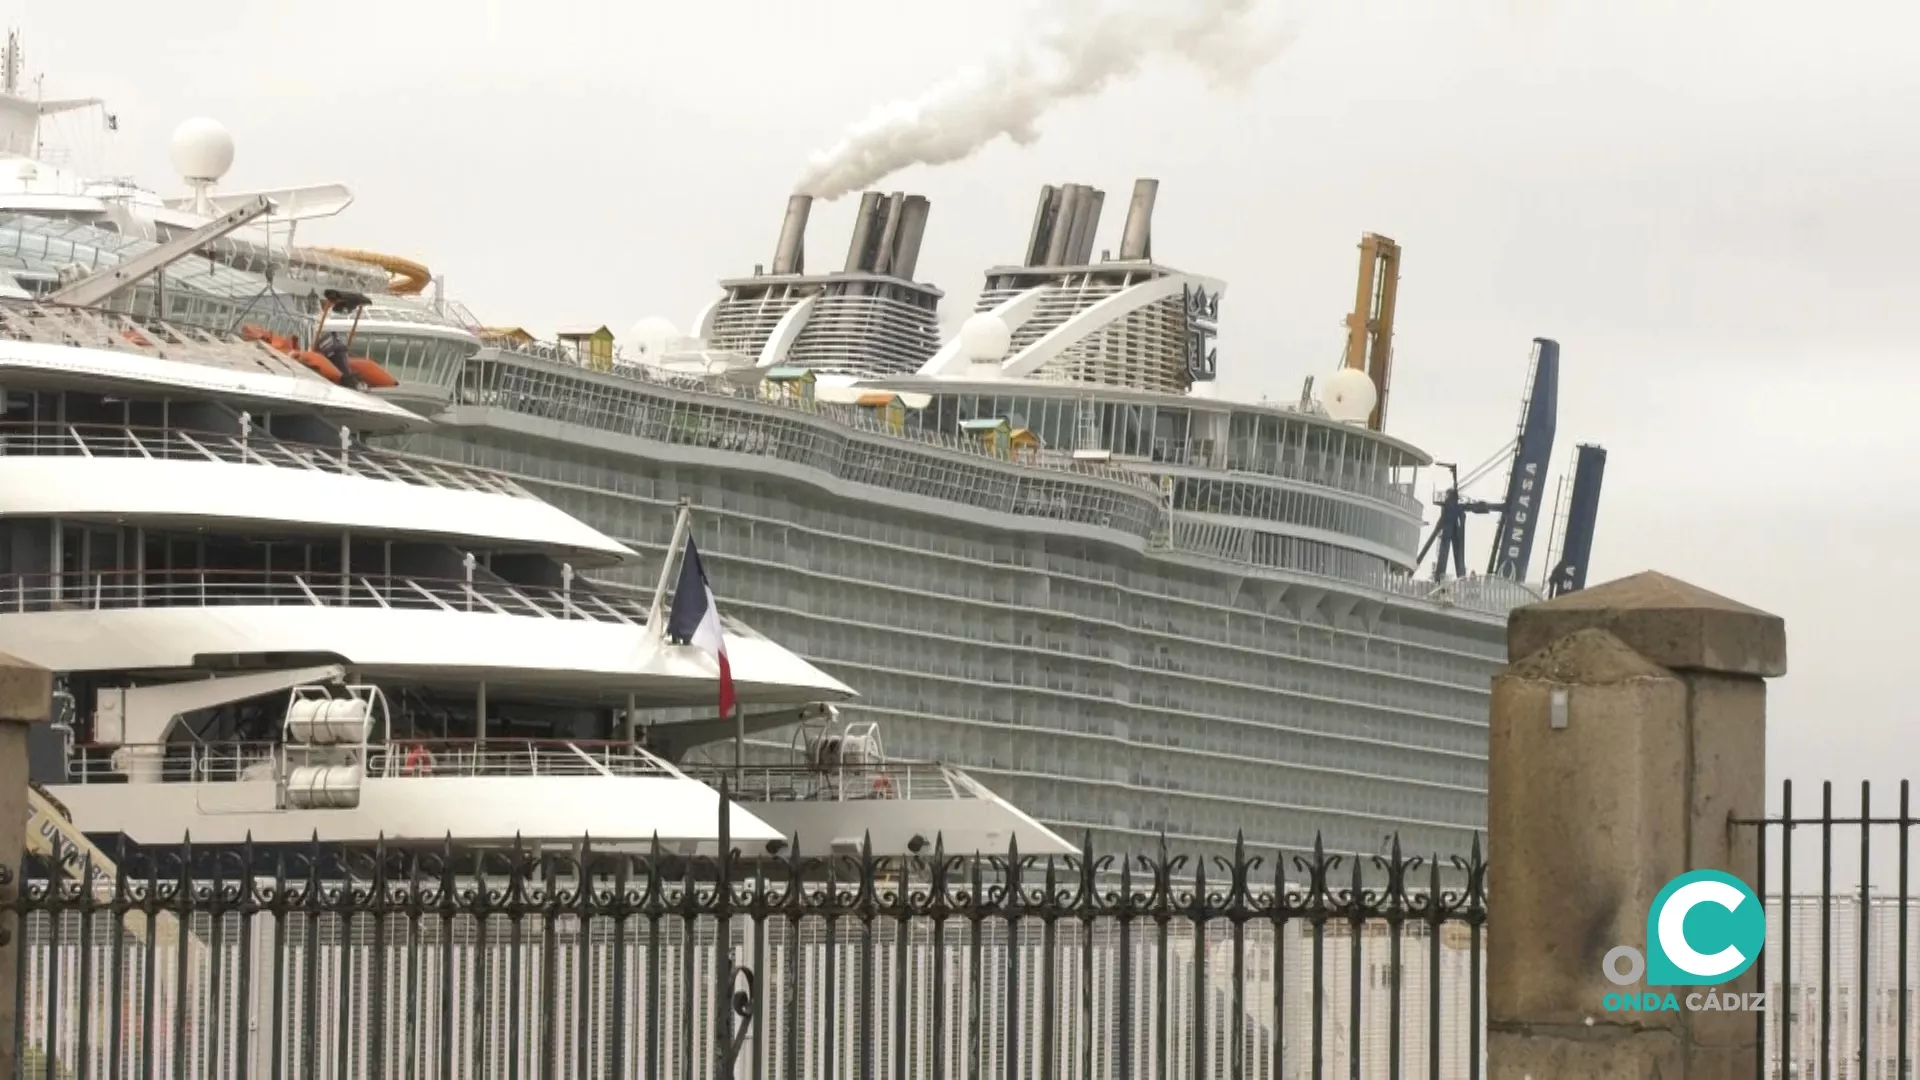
{"x":409,"y":278}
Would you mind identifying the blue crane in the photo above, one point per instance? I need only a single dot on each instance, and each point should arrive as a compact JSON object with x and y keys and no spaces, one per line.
{"x":1577,"y":519}
{"x":1532,"y":450}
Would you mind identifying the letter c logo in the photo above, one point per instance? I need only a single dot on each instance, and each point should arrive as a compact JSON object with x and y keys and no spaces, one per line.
{"x":1705,"y":928}
{"x":1673,"y":928}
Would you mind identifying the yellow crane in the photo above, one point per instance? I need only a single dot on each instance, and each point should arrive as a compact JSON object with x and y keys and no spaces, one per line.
{"x":1370,"y":326}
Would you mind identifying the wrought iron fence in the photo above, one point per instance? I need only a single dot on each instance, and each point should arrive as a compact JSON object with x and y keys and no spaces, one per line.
{"x":1837,"y":968}
{"x":244,"y":962}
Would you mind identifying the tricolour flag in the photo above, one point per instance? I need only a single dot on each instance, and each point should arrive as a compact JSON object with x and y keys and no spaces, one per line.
{"x":695,"y":620}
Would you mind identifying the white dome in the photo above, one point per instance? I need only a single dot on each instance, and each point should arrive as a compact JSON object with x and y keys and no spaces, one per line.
{"x":985,"y":338}
{"x":1348,"y":396}
{"x":651,"y":335}
{"x":202,"y":149}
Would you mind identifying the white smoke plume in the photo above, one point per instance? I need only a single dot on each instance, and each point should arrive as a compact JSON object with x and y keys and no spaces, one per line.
{"x":1082,"y":49}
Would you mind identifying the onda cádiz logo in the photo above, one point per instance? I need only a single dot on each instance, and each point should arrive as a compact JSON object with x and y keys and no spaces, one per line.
{"x":1705,"y":929}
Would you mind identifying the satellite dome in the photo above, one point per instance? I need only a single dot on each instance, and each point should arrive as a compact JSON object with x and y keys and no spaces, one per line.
{"x":202,"y":149}
{"x":1348,"y":396}
{"x":651,"y":336}
{"x":985,"y":338}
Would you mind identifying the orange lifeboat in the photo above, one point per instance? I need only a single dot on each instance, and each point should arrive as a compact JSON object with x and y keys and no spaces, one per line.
{"x":370,"y":374}
{"x":277,"y":342}
{"x":318,"y":364}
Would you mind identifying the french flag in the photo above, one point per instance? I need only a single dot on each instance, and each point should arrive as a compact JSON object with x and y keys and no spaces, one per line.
{"x":695,"y":620}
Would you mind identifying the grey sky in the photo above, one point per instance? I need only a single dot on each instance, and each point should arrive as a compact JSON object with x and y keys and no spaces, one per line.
{"x":1710,"y":204}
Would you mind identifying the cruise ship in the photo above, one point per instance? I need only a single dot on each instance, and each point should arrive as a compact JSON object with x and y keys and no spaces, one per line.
{"x":1041,"y":549}
{"x":270,"y":628}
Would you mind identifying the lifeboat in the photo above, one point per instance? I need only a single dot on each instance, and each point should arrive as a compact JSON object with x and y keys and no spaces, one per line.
{"x":360,"y":372}
{"x":365,"y":374}
{"x":318,"y":364}
{"x":370,"y":374}
{"x":277,"y":342}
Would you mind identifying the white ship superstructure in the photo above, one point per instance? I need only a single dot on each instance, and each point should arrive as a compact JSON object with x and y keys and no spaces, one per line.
{"x":268,"y":629}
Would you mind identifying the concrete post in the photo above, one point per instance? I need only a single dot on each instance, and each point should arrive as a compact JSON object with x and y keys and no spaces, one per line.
{"x":1629,"y":728}
{"x":26,"y":697}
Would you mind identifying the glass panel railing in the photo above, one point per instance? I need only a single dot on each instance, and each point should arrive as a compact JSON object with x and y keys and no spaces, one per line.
{"x":180,"y":444}
{"x":112,"y":590}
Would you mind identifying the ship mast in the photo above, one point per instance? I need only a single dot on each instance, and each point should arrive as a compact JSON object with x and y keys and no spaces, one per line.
{"x":20,"y":128}
{"x":13,"y":63}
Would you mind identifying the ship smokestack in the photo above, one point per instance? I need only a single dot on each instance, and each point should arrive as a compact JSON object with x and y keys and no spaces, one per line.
{"x":1042,"y":233}
{"x":859,"y":250}
{"x":1061,"y":230}
{"x":1136,"y":240}
{"x":1064,"y":224}
{"x":790,"y":255}
{"x":1086,"y":220}
{"x":913,"y":230}
{"x":884,"y":250}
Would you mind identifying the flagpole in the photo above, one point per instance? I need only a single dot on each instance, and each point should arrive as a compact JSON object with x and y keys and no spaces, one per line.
{"x":739,"y":747}
{"x":657,"y":615}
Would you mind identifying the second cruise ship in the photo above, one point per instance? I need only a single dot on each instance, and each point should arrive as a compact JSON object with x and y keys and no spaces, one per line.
{"x":1042,"y":547}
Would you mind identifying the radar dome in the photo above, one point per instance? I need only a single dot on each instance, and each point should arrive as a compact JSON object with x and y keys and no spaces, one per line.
{"x":1348,"y":396}
{"x":985,"y":338}
{"x":202,"y":149}
{"x":651,"y":336}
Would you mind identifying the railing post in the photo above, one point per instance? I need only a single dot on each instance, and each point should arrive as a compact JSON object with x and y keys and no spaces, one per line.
{"x":1627,"y":736}
{"x":26,"y":697}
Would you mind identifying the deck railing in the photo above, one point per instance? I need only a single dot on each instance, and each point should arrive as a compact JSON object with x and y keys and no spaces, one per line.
{"x":88,"y":328}
{"x":407,"y":757}
{"x":254,"y":448}
{"x":840,"y":413}
{"x":112,"y":590}
{"x":915,"y":780}
{"x":227,"y":761}
{"x":1198,"y":452}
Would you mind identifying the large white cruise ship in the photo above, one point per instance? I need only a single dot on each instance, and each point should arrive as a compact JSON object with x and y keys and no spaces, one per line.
{"x":269,"y":630}
{"x":1041,"y":549}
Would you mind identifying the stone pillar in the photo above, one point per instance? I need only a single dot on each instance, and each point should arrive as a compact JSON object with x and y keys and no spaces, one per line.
{"x":1627,"y":731}
{"x":26,"y":697}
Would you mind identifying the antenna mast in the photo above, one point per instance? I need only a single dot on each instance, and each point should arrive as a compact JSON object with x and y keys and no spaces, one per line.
{"x":13,"y":63}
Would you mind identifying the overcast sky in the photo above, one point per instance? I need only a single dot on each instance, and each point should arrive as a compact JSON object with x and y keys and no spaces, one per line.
{"x":1712,"y":205}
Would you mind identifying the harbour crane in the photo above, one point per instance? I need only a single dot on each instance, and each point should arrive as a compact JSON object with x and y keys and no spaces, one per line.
{"x":1528,"y":454}
{"x":1575,"y":518}
{"x":1370,"y":326}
